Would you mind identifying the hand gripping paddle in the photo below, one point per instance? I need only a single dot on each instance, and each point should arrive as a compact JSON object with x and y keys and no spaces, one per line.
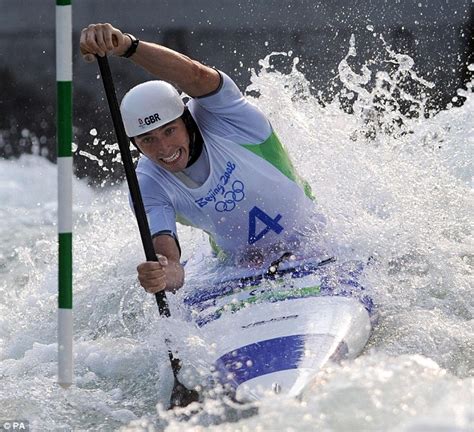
{"x":180,"y":395}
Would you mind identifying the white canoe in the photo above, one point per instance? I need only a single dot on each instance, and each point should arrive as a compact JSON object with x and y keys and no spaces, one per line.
{"x":272,"y":334}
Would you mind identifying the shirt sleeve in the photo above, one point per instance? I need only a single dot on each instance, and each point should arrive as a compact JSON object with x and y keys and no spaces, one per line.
{"x":159,"y":209}
{"x":226,"y":112}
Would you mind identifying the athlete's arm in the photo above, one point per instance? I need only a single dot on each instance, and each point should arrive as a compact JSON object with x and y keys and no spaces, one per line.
{"x":165,"y":274}
{"x":189,"y":75}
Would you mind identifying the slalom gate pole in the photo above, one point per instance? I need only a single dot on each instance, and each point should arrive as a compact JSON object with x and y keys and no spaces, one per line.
{"x":64,"y":153}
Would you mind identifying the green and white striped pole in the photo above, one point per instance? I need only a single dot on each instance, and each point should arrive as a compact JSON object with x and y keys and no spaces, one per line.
{"x":64,"y":148}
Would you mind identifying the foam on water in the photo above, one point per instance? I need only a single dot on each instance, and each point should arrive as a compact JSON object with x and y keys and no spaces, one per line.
{"x":393,"y":184}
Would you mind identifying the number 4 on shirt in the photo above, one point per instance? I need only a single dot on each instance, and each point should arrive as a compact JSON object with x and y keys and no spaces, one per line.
{"x":270,"y":224}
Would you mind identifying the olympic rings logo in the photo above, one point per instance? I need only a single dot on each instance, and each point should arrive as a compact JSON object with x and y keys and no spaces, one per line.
{"x":231,"y":197}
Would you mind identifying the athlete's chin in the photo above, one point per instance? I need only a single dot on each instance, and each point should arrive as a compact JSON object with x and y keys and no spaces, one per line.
{"x":174,"y":168}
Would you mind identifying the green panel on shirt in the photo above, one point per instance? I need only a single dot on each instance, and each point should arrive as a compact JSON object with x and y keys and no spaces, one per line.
{"x":273,"y":152}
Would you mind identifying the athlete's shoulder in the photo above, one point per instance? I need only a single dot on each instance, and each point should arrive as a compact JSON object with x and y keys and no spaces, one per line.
{"x":147,"y":166}
{"x":229,"y":114}
{"x":151,"y":179}
{"x":226,"y":92}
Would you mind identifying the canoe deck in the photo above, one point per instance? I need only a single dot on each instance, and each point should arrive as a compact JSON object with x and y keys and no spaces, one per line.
{"x":272,"y":334}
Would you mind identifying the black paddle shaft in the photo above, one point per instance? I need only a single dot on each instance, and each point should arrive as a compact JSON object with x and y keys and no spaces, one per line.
{"x":124,"y":146}
{"x":180,"y":395}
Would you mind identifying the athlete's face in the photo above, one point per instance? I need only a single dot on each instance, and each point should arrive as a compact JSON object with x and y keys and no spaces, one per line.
{"x":168,"y":145}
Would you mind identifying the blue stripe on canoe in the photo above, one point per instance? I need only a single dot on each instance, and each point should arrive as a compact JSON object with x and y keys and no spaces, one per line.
{"x":222,"y":289}
{"x":206,"y":319}
{"x":227,"y":287}
{"x":262,"y":358}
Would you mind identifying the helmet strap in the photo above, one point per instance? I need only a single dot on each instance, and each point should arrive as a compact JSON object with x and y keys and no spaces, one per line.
{"x":132,"y":140}
{"x":196,"y":141}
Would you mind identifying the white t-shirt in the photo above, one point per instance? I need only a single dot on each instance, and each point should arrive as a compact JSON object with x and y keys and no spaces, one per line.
{"x":246,"y":194}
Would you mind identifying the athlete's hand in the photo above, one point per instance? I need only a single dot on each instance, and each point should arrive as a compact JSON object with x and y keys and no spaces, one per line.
{"x":152,"y":274}
{"x":102,"y":39}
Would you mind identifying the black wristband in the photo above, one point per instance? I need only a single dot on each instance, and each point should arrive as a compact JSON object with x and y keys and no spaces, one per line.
{"x":132,"y":48}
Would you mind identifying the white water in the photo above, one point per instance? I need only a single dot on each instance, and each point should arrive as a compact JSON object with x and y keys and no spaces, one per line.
{"x":403,"y":196}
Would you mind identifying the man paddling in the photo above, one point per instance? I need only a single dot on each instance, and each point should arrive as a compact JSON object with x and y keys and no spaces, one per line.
{"x":215,"y":163}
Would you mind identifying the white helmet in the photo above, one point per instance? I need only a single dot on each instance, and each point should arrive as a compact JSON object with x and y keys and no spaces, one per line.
{"x":150,"y":105}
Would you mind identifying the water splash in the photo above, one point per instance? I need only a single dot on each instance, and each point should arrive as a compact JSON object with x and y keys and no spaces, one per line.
{"x":394,"y":186}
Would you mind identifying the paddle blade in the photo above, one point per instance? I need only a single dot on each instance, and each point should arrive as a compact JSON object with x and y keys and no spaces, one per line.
{"x":182,"y":396}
